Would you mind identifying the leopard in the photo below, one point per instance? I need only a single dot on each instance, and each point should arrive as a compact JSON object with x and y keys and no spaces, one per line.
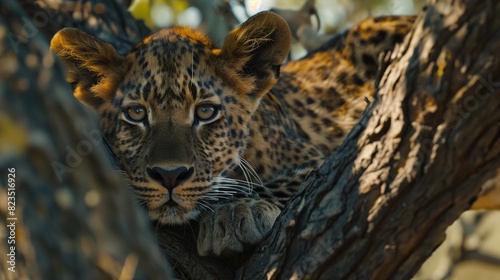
{"x":226,"y":135}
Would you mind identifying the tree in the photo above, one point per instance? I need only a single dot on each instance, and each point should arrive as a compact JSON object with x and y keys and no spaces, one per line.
{"x":376,"y":209}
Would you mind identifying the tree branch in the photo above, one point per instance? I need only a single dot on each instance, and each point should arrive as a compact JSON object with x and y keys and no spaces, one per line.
{"x":73,"y":217}
{"x":380,"y":206}
{"x":376,"y":209}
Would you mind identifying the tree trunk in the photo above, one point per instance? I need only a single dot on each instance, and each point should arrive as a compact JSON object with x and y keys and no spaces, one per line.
{"x":69,"y":215}
{"x":379,"y":207}
{"x":376,"y":209}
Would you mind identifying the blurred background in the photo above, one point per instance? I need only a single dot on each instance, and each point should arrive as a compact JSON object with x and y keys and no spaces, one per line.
{"x":217,"y":17}
{"x":472,"y":247}
{"x":334,"y":14}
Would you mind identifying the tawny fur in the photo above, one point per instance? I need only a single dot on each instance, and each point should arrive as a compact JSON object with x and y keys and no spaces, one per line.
{"x":282,"y":123}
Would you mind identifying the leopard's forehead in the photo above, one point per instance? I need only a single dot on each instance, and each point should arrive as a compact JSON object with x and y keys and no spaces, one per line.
{"x":179,"y":36}
{"x":172,"y":67}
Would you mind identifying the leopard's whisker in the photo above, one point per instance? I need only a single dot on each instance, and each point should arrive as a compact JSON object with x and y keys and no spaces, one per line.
{"x":251,"y":170}
{"x":142,"y":203}
{"x":245,"y":172}
{"x":224,"y":180}
{"x":221,"y":188}
{"x":230,"y":187}
{"x":222,"y":192}
{"x":226,"y":193}
{"x":205,"y":205}
{"x":218,"y":195}
{"x":210,"y":198}
{"x":238,"y":185}
{"x":121,"y":172}
{"x":233,"y":188}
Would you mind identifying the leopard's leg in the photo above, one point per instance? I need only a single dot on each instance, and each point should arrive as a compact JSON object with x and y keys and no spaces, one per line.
{"x":239,"y":224}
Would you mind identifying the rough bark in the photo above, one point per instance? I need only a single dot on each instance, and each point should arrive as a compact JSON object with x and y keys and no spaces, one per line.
{"x":376,"y":209}
{"x":413,"y":164}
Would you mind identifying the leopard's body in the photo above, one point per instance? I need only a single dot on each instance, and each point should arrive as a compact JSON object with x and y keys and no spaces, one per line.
{"x":186,"y":120}
{"x":323,"y":96}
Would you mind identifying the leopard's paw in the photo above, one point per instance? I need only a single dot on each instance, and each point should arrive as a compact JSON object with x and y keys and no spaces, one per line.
{"x":234,"y":226}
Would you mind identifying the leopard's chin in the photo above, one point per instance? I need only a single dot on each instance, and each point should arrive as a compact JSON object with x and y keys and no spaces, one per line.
{"x":169,"y":214}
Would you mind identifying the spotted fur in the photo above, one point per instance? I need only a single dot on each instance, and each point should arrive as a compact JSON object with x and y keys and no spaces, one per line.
{"x":266,"y":136}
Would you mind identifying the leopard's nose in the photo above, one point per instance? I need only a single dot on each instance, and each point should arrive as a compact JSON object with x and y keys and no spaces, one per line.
{"x":170,"y":177}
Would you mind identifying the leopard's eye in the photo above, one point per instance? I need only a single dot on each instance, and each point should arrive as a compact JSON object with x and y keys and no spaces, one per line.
{"x":136,"y":113}
{"x":206,"y":112}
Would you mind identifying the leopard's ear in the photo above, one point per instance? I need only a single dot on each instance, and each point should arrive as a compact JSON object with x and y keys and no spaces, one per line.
{"x":256,"y":49}
{"x":94,"y":67}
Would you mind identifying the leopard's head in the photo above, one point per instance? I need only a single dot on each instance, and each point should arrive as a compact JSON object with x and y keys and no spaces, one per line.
{"x":175,"y":109}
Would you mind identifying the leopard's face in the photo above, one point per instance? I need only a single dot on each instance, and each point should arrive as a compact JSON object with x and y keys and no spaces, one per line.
{"x":175,"y":109}
{"x":176,"y":127}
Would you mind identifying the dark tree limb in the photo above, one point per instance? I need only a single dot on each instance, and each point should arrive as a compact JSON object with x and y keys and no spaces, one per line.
{"x":74,"y":219}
